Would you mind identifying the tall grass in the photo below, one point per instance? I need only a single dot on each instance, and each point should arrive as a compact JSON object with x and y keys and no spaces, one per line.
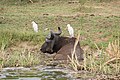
{"x":73,"y":59}
{"x":20,"y":58}
{"x":9,"y":38}
{"x":5,"y":39}
{"x":102,"y":61}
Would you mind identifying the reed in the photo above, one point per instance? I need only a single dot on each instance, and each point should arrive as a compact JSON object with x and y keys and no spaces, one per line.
{"x":19,"y":58}
{"x":103,"y":61}
{"x":75,"y":64}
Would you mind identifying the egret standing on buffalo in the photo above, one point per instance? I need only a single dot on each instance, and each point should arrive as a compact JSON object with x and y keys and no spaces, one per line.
{"x":35,"y":26}
{"x":70,"y":30}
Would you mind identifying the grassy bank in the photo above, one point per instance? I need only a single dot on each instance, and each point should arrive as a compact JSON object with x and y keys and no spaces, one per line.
{"x":100,"y":64}
{"x":97,"y":21}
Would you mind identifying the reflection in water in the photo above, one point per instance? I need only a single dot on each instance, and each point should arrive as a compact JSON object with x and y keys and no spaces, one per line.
{"x":35,"y":73}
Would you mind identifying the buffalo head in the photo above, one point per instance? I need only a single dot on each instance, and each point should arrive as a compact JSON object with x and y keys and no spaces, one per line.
{"x":50,"y":41}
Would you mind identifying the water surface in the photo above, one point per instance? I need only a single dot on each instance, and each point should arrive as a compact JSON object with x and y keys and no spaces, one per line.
{"x":35,"y":73}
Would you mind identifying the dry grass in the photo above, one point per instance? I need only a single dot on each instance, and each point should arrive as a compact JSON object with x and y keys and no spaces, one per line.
{"x":1,"y":59}
{"x":102,"y":61}
{"x":18,"y":58}
{"x":113,"y":49}
{"x":75,"y":64}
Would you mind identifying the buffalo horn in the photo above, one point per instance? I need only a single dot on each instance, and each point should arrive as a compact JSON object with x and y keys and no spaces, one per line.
{"x":59,"y":31}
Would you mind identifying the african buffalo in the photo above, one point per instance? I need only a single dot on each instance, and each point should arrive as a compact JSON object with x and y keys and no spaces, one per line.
{"x":62,"y":46}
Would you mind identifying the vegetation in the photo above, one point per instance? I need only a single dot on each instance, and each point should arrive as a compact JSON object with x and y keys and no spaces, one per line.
{"x":100,"y":62}
{"x":97,"y":21}
{"x":23,"y":58}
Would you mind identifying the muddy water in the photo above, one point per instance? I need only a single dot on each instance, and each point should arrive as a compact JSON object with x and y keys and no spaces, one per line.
{"x":35,"y":73}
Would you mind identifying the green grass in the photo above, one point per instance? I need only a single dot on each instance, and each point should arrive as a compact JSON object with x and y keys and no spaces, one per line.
{"x":20,"y":58}
{"x":97,"y":22}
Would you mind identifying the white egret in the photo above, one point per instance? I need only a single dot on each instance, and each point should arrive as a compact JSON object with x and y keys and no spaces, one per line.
{"x":70,"y":30}
{"x":35,"y":26}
